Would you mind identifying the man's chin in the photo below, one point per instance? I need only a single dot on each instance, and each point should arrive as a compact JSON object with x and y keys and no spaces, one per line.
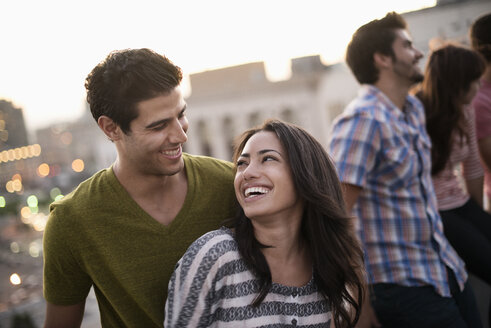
{"x":176,"y":170}
{"x":173,"y":173}
{"x":167,"y":173}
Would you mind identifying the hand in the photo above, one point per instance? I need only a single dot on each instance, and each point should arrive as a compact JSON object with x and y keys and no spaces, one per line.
{"x":368,"y":318}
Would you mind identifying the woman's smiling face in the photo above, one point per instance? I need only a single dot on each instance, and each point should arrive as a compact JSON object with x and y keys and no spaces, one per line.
{"x":264,"y":183}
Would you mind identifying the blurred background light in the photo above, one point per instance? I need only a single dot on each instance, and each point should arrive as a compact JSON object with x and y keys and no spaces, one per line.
{"x":32,"y":201}
{"x":15,"y":279}
{"x":43,"y":170}
{"x":78,"y":165}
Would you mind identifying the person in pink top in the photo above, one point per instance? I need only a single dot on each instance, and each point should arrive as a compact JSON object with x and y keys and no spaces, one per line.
{"x":481,"y":42}
{"x":450,"y":83}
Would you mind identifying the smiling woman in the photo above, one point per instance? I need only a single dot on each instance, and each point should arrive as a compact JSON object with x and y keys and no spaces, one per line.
{"x":292,"y":257}
{"x":264,"y":184}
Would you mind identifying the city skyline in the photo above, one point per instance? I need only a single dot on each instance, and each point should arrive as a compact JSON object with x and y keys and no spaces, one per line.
{"x":51,"y":46}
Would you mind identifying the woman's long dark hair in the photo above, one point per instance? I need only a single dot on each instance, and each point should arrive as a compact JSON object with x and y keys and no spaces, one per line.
{"x":448,"y":76}
{"x":326,"y":228}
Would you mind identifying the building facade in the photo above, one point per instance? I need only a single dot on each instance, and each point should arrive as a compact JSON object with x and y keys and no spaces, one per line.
{"x":225,"y":102}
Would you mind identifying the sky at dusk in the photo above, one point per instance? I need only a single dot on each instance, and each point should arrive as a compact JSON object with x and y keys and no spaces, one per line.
{"x":49,"y":47}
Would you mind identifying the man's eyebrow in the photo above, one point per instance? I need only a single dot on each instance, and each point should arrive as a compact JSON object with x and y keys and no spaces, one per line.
{"x":157,"y":123}
{"x":165,"y":120}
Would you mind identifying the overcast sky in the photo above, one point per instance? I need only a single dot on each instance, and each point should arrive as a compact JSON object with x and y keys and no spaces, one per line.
{"x":49,"y":47}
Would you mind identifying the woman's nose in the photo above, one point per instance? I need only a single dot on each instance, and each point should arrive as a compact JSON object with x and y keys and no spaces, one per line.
{"x":250,"y":171}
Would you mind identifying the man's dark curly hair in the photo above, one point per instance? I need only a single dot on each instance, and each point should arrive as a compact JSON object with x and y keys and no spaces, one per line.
{"x":125,"y":78}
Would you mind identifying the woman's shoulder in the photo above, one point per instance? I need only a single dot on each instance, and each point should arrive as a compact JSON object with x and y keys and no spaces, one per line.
{"x":216,"y":238}
{"x":209,"y":248}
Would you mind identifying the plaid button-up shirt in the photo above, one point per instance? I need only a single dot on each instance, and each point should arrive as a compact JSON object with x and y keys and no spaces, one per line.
{"x":386,"y":152}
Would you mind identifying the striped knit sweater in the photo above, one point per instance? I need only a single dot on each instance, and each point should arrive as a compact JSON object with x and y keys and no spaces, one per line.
{"x":212,"y":287}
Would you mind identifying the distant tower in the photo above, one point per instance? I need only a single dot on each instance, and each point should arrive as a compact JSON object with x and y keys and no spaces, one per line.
{"x":13,"y":131}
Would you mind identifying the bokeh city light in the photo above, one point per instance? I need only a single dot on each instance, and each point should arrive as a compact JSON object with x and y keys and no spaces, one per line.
{"x":78,"y":165}
{"x":15,"y":279}
{"x":43,"y":170}
{"x":20,"y":153}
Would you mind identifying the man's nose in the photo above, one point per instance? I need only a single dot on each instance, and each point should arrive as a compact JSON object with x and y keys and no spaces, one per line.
{"x":178,"y":134}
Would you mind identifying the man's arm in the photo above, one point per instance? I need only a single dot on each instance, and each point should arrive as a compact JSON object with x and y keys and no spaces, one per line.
{"x":64,"y":316}
{"x":368,"y":318}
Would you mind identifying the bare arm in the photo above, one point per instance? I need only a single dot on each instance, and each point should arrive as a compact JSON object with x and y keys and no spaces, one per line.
{"x":368,"y":318}
{"x":64,"y":316}
{"x":350,"y":194}
{"x":485,"y":150}
{"x":475,"y":189}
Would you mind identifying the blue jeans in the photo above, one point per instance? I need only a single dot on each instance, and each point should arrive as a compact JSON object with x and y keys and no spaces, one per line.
{"x":421,"y":307}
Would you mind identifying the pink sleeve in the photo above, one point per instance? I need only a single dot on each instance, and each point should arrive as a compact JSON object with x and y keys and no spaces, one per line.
{"x":472,"y":167}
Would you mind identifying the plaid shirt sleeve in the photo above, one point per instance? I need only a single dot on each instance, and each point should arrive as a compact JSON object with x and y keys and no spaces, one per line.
{"x":354,"y":147}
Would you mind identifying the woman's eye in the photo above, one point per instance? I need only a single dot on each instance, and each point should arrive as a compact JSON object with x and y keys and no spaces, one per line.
{"x":269,"y":158}
{"x":240,"y":163}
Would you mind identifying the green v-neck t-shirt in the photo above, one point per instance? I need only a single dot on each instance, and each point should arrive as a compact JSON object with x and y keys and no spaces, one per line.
{"x":99,"y":236}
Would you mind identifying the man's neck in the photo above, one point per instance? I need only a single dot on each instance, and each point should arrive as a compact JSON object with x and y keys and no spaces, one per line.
{"x":161,"y":196}
{"x":394,"y":91}
{"x":140,"y":184}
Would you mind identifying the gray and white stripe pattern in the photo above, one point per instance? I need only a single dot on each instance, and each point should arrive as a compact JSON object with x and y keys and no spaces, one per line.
{"x":212,"y":287}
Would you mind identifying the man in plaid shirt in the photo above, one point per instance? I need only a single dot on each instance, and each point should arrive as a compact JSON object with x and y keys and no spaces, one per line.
{"x":382,"y":153}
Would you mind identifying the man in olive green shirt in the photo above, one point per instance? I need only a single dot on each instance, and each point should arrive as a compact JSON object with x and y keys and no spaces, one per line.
{"x":123,"y":230}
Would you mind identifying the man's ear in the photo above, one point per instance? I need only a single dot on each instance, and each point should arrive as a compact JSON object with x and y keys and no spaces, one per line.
{"x":110,"y":128}
{"x":382,"y":61}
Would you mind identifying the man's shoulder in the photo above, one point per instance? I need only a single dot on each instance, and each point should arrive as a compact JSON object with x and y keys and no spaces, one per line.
{"x":370,"y":103}
{"x":209,"y":166}
{"x":69,"y":213}
{"x":87,"y":192}
{"x":207,"y":161}
{"x":362,"y":109}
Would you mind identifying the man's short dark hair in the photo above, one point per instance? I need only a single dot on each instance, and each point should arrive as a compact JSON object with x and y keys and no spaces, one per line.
{"x":481,"y":36}
{"x":125,"y":78}
{"x":376,"y":36}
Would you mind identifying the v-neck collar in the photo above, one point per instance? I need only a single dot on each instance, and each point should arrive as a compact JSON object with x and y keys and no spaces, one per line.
{"x":131,"y":207}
